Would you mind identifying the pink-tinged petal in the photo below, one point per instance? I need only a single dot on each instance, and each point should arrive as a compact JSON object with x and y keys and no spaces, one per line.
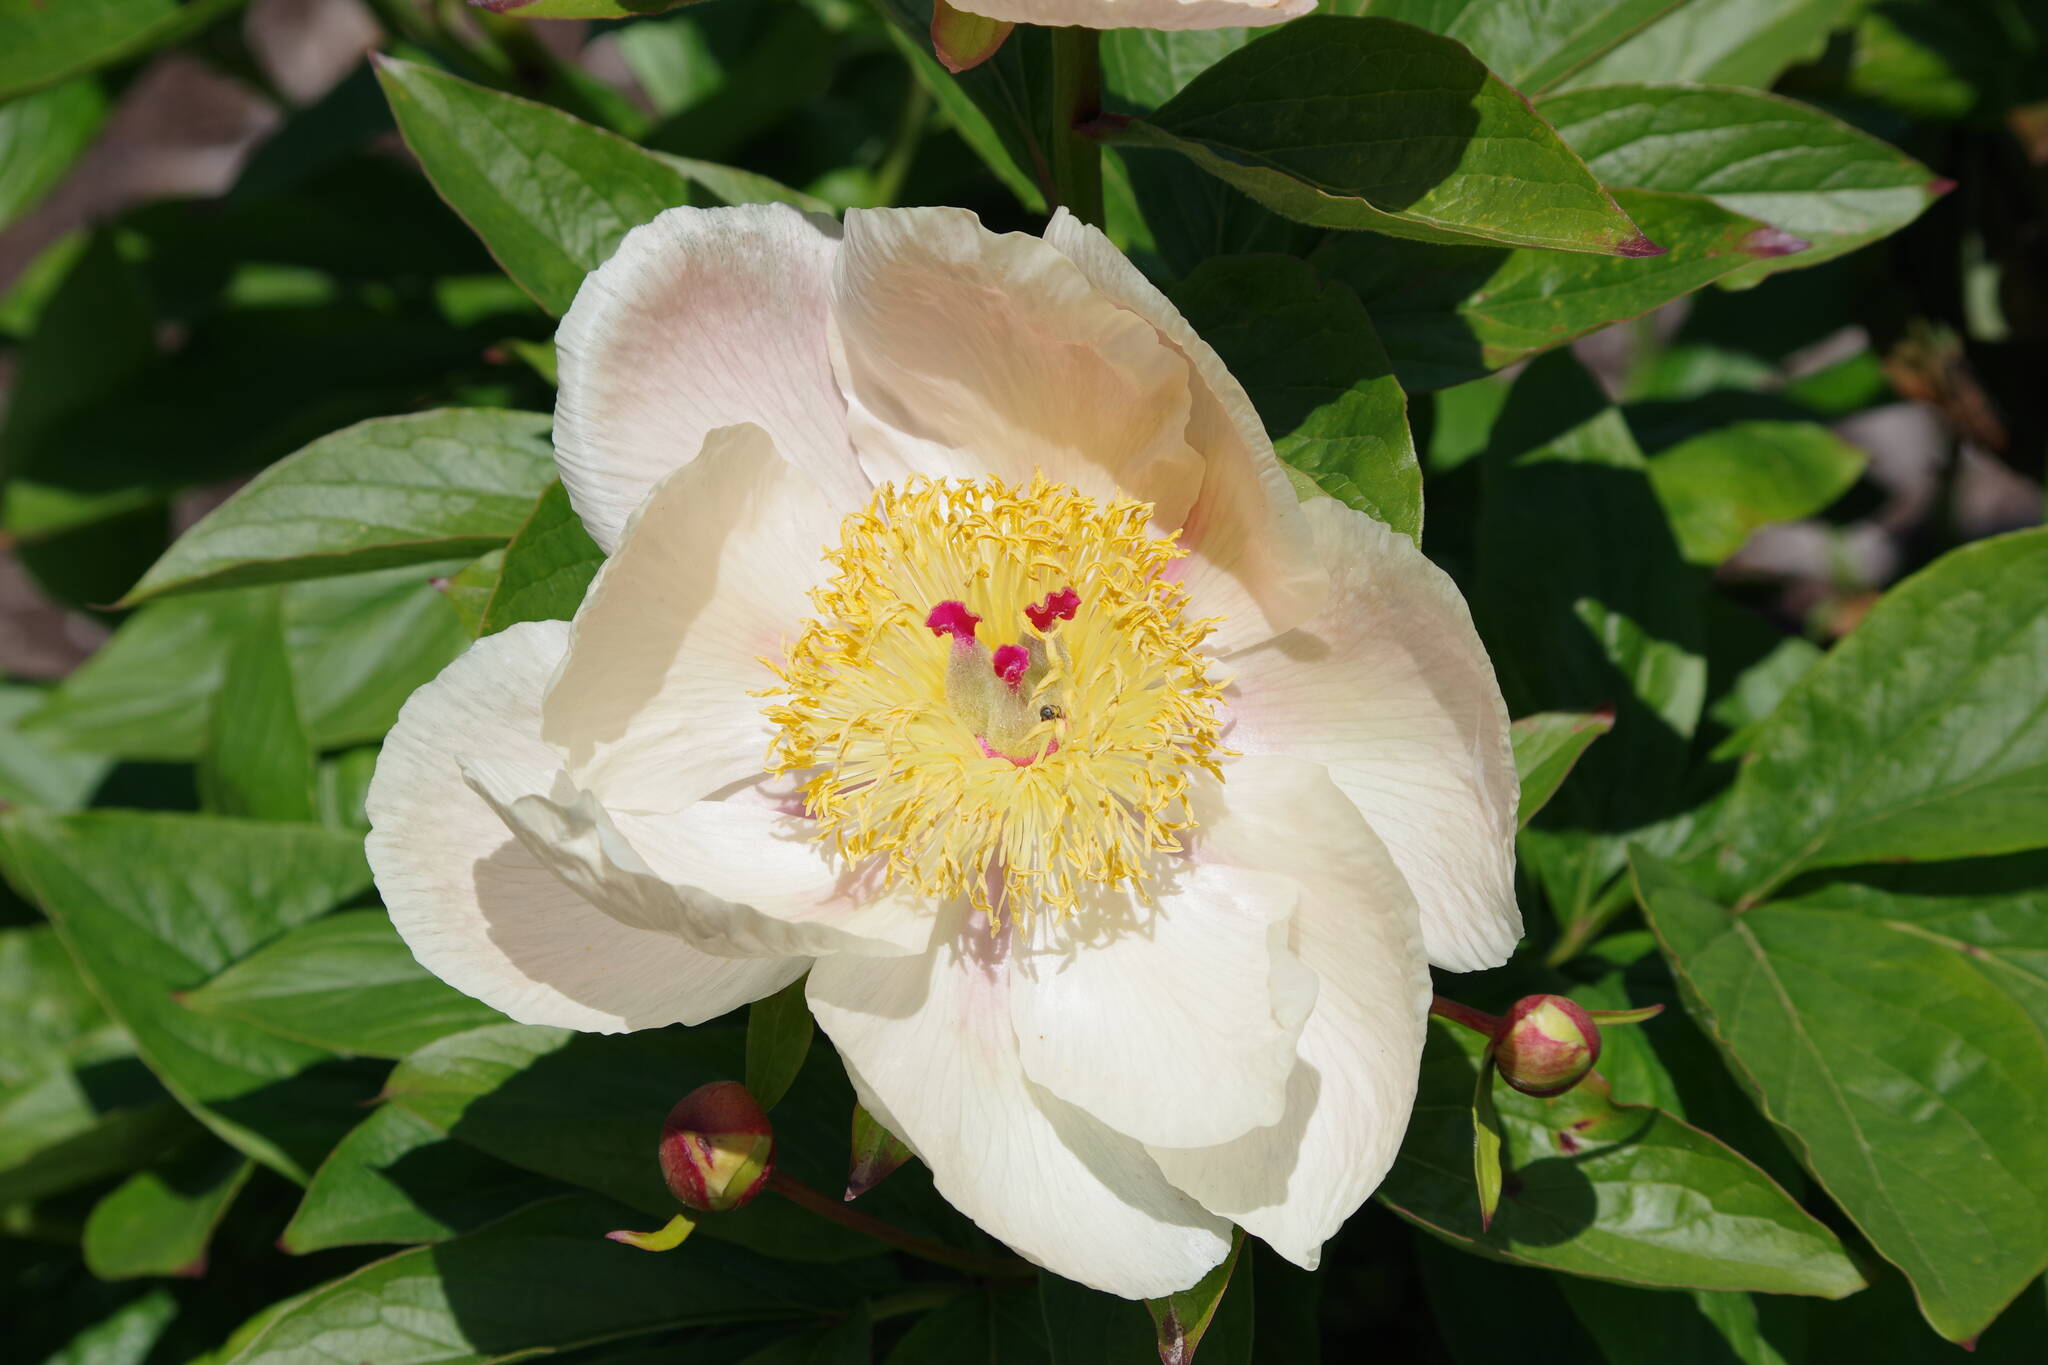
{"x":702,"y":319}
{"x":735,"y":878}
{"x":653,"y":707}
{"x":1173,"y":1023}
{"x":929,"y":1046}
{"x":1388,"y":687}
{"x":1250,"y":559}
{"x":485,"y":915}
{"x":1156,"y":14}
{"x":965,"y":353}
{"x":1295,"y":1182}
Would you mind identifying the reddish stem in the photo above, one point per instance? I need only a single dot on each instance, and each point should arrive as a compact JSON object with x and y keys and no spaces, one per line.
{"x":1479,"y":1021}
{"x":803,"y":1196}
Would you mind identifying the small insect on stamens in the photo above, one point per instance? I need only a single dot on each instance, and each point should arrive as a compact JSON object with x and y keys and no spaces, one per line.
{"x":1050,"y":713}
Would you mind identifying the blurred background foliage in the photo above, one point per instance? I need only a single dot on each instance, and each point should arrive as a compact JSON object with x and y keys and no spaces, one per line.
{"x":1669,"y":487}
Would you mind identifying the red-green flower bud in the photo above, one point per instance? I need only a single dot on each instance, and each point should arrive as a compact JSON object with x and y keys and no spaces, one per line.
{"x":1546,"y":1045}
{"x":717,"y":1147}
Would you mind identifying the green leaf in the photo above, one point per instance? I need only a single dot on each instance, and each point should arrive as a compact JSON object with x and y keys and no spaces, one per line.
{"x":778,"y":1039}
{"x":1143,"y":68}
{"x":1637,"y":1327}
{"x":258,"y":760}
{"x":75,"y":1104}
{"x":998,"y":1325}
{"x":359,"y":646}
{"x":578,"y":9}
{"x":1722,"y":485}
{"x":1590,"y":1190}
{"x":1762,"y":155}
{"x":1295,"y":120}
{"x":1920,"y":736}
{"x":1447,"y":314}
{"x":1305,"y":351}
{"x":41,"y":135}
{"x":32,"y":773}
{"x":159,"y":1221}
{"x":540,"y":1280}
{"x":396,"y":1178}
{"x":996,"y":107}
{"x":345,"y":982}
{"x":47,"y":43}
{"x":149,"y":905}
{"x":1084,"y":1327}
{"x":876,"y":1153}
{"x":389,"y":491}
{"x":547,"y":568}
{"x":1722,"y":42}
{"x":1530,"y":47}
{"x":1896,"y":1029}
{"x":1487,"y":1140}
{"x":1547,"y":746}
{"x":550,"y":195}
{"x":1184,"y":1319}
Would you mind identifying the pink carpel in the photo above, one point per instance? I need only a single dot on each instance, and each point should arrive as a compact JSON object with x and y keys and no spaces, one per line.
{"x":1010,"y":662}
{"x":990,"y":751}
{"x":953,"y":618}
{"x":1059,"y":605}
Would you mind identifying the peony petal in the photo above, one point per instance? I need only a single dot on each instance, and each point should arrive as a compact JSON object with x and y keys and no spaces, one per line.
{"x":1295,"y":1183}
{"x":1251,"y":561}
{"x":482,"y":913}
{"x":1174,"y":1023}
{"x":1389,"y":688}
{"x":702,"y":319}
{"x":964,"y":353}
{"x":725,"y":875}
{"x":653,"y":707}
{"x":1158,"y":14}
{"x":928,"y":1044}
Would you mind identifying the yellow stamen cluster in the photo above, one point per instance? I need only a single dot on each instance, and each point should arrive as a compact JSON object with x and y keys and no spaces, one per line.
{"x":894,"y":771}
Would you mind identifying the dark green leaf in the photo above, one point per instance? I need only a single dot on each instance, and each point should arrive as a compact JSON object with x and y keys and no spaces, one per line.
{"x":1765,"y":156}
{"x":359,"y":647}
{"x":1184,"y":1319}
{"x":345,"y":982}
{"x":1592,"y":1189}
{"x":159,"y":1221}
{"x":47,"y":43}
{"x":1143,"y":68}
{"x":1920,"y":736}
{"x":1727,"y":42}
{"x":1295,"y":120}
{"x":1305,"y":351}
{"x":543,"y":1279}
{"x":1448,"y":314}
{"x":396,"y":1178}
{"x":1487,"y":1141}
{"x":550,"y":195}
{"x":1895,"y":1029}
{"x":547,"y":568}
{"x":997,"y":107}
{"x":578,"y":9}
{"x":1084,"y":1327}
{"x":32,"y":772}
{"x":389,"y":491}
{"x":1636,"y":1327}
{"x":40,"y":136}
{"x":258,"y":761}
{"x":984,"y":1326}
{"x":150,"y":905}
{"x":1530,"y":47}
{"x":778,"y":1039}
{"x":1546,"y":748}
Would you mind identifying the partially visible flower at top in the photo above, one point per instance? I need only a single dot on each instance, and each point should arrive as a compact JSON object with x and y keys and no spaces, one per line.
{"x":963,"y":644}
{"x":1159,"y":14}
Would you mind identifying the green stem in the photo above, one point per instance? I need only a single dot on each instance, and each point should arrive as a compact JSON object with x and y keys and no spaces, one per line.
{"x":804,"y":1197}
{"x":1076,"y":100}
{"x":1479,"y":1021}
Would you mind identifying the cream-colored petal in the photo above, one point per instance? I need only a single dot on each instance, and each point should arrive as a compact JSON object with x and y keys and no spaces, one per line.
{"x":703,"y":318}
{"x":730,"y":877}
{"x":1295,"y":1182}
{"x":965,"y":353}
{"x":1158,"y":14}
{"x":928,"y":1043}
{"x":1173,"y":1023}
{"x":485,"y":915}
{"x":1250,"y":560}
{"x":653,"y":707}
{"x":1389,"y":688}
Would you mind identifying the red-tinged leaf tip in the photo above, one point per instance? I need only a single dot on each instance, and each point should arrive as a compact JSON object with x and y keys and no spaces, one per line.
{"x":193,"y":1269}
{"x":1939,"y":186}
{"x":1604,"y":711}
{"x":963,"y":41}
{"x":668,"y":1237}
{"x":1769,"y":242}
{"x":1639,"y":246}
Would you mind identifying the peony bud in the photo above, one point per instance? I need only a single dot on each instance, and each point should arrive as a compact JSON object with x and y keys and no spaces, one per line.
{"x":1546,"y":1045}
{"x":717,"y":1147}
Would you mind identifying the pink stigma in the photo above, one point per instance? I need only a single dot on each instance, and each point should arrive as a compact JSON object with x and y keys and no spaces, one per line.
{"x":953,"y":618}
{"x":1010,"y":662}
{"x":1061,"y":604}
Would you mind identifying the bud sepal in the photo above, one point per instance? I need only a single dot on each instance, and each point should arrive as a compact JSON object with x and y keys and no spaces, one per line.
{"x":717,"y":1148}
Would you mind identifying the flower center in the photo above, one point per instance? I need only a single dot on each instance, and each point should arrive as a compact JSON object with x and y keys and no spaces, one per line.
{"x":999,"y":680}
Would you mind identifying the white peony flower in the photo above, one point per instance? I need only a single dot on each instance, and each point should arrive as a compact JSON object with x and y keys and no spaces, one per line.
{"x":1115,"y":856}
{"x":1159,"y":14}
